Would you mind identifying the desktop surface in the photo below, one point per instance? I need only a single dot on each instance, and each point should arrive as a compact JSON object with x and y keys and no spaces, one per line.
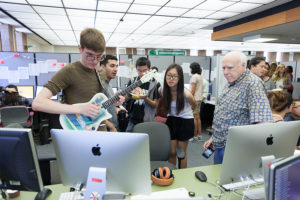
{"x":183,"y":178}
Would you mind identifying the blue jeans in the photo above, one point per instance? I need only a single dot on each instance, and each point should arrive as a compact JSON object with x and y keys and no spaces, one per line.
{"x":129,"y":126}
{"x":219,"y":154}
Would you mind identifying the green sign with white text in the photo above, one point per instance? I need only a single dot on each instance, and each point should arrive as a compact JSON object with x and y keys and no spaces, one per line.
{"x":170,"y":53}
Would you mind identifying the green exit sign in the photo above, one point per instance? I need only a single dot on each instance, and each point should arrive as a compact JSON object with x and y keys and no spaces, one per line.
{"x":171,"y":53}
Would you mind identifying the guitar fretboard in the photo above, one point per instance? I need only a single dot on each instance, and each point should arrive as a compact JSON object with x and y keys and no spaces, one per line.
{"x":124,"y":92}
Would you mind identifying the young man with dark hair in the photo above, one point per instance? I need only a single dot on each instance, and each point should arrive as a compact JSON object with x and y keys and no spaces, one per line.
{"x":110,"y":65}
{"x":142,"y":109}
{"x":80,"y":81}
{"x":294,"y":115}
{"x":257,"y":66}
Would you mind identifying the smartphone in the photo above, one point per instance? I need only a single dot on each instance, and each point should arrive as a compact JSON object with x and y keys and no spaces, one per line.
{"x":208,"y":152}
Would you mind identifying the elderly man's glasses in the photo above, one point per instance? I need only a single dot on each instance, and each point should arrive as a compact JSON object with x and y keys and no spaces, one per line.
{"x":297,"y":107}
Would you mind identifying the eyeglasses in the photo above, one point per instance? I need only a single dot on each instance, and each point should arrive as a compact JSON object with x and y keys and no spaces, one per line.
{"x":297,"y":107}
{"x":91,"y":57}
{"x":142,"y":71}
{"x":169,"y":76}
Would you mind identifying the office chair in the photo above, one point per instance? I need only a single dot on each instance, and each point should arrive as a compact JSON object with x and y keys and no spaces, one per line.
{"x":160,"y":144}
{"x":15,"y":115}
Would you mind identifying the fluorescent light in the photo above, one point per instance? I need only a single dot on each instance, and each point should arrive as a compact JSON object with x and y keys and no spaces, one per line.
{"x":260,"y":38}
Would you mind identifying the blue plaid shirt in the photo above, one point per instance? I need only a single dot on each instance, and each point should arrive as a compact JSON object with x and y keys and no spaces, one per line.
{"x":242,"y":103}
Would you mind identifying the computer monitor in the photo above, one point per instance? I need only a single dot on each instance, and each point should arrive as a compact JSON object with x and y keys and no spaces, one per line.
{"x":39,"y":88}
{"x":26,"y":91}
{"x":124,"y":155}
{"x":284,"y":179}
{"x":19,"y":168}
{"x":247,"y":144}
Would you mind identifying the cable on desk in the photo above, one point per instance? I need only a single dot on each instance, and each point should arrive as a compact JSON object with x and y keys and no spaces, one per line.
{"x":216,"y":196}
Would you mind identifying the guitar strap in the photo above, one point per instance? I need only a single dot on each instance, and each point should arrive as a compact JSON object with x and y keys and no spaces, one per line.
{"x":99,"y":80}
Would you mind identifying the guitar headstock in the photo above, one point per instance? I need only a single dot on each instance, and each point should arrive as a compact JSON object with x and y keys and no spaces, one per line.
{"x":148,"y":76}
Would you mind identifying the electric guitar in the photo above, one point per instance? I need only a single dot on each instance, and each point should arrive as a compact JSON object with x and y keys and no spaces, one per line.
{"x":82,"y":122}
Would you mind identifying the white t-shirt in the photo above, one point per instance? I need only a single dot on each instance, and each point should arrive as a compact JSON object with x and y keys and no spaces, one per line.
{"x":198,"y":80}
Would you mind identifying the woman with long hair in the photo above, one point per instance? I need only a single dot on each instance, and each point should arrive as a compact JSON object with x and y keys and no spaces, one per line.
{"x":281,"y":79}
{"x":13,"y":98}
{"x":179,"y":104}
{"x":196,"y":83}
{"x":269,"y":83}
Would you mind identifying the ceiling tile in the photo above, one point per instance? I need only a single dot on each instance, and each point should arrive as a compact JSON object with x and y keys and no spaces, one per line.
{"x":117,"y":37}
{"x":56,"y":3}
{"x":198,"y":13}
{"x":168,"y":11}
{"x":184,"y":4}
{"x":10,"y":22}
{"x":16,"y":7}
{"x":109,"y":15}
{"x":151,"y":2}
{"x":182,"y":20}
{"x":81,"y":13}
{"x":24,"y":15}
{"x":206,"y":21}
{"x":23,"y":30}
{"x":120,"y":1}
{"x":105,"y":28}
{"x":241,"y":7}
{"x":135,"y":17}
{"x":162,"y":19}
{"x":214,"y":5}
{"x":113,"y":6}
{"x":86,"y":4}
{"x":18,"y":1}
{"x":65,"y":35}
{"x":145,"y":9}
{"x":70,"y":42}
{"x":49,"y":10}
{"x":222,"y":15}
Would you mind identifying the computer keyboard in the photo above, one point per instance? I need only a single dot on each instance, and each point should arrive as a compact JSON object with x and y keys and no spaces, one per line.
{"x":71,"y":196}
{"x":243,"y":184}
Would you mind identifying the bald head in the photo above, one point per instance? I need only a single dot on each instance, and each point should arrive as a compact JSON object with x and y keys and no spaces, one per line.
{"x":234,"y":65}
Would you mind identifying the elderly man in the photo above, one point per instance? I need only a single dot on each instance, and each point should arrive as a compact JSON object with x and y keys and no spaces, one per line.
{"x":242,"y":102}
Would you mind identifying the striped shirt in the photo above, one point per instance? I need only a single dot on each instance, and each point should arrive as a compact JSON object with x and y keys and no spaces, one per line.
{"x":242,"y":103}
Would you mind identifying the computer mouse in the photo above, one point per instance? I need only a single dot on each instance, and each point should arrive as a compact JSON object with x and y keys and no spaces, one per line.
{"x":201,"y":176}
{"x":42,"y":195}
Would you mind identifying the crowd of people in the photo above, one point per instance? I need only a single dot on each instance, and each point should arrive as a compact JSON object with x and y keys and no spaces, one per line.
{"x":258,"y":93}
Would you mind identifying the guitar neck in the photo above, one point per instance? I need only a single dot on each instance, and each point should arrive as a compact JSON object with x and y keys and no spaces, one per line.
{"x":124,"y":92}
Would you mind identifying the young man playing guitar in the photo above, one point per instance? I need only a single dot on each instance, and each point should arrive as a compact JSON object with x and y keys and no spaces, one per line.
{"x":80,"y":81}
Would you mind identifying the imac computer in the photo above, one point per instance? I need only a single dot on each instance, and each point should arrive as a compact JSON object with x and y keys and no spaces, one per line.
{"x":247,"y":144}
{"x":39,"y":88}
{"x":19,"y":168}
{"x":124,"y":155}
{"x":284,"y":179}
{"x":26,"y":91}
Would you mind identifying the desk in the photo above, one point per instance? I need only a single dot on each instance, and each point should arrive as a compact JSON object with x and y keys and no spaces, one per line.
{"x":183,"y":178}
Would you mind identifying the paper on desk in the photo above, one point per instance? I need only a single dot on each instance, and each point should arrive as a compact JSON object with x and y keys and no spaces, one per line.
{"x":179,"y":193}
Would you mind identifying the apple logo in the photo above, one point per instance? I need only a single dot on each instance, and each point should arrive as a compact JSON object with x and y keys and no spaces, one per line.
{"x":96,"y":150}
{"x":269,"y":140}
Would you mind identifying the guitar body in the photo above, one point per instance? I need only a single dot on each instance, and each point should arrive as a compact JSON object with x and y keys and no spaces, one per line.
{"x":82,"y":122}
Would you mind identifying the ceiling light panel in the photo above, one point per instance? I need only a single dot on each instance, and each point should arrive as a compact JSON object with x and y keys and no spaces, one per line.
{"x":145,"y":9}
{"x":198,"y":13}
{"x":56,"y":3}
{"x":109,"y":15}
{"x":206,"y":21}
{"x":184,"y":4}
{"x":16,"y":7}
{"x":112,"y":6}
{"x":24,"y":15}
{"x":161,"y":19}
{"x":168,"y":11}
{"x":135,"y":17}
{"x":81,"y":13}
{"x":222,"y":15}
{"x":184,"y":20}
{"x":241,"y":7}
{"x":151,"y":2}
{"x":86,"y":4}
{"x":214,"y":5}
{"x":49,"y":10}
{"x":65,"y":35}
{"x":117,"y":37}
